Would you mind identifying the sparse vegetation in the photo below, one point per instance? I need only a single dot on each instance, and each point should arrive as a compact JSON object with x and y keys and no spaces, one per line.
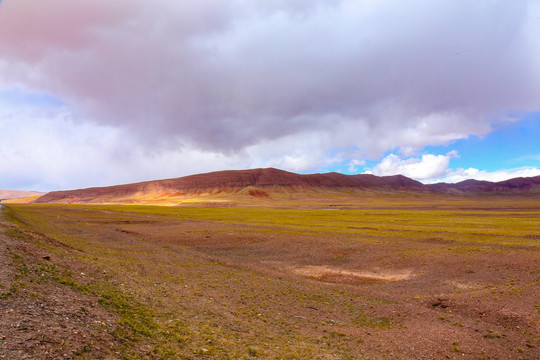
{"x":192,"y":282}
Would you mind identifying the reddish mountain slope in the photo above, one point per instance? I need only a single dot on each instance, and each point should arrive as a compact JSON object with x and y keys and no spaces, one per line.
{"x":233,"y":180}
{"x":263,"y":182}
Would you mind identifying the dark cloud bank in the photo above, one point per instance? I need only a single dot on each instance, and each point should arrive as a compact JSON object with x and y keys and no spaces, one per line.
{"x":224,"y":75}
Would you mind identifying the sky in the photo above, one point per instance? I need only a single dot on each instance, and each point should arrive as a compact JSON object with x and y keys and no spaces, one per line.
{"x":97,"y":93}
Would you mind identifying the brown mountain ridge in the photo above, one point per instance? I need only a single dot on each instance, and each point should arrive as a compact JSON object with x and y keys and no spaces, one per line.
{"x":519,"y":184}
{"x":253,"y":182}
{"x":265,"y":182}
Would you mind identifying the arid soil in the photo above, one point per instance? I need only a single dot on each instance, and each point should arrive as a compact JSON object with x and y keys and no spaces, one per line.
{"x":271,"y":283}
{"x":41,"y":318}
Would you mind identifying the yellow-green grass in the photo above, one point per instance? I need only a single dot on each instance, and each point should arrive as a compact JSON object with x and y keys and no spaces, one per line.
{"x":466,"y":226}
{"x":183,"y":302}
{"x":192,"y":296}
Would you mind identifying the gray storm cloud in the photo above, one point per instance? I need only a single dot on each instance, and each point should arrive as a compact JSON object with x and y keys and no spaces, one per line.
{"x":225,"y":75}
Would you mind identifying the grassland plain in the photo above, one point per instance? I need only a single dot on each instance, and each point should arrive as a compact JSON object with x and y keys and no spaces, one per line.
{"x":404,"y":277}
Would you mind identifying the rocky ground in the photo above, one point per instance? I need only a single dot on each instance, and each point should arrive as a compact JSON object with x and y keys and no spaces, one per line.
{"x":41,"y":318}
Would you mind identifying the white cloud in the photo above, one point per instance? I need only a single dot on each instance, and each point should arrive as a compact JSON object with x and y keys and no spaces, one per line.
{"x":432,"y":169}
{"x":426,"y":167}
{"x":42,"y":148}
{"x":354,"y":164}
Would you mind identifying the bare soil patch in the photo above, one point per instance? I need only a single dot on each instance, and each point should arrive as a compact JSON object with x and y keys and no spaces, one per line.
{"x":326,"y":273}
{"x":41,"y":318}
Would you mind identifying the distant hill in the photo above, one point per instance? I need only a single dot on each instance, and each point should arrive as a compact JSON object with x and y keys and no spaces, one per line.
{"x":14,"y":194}
{"x":254,"y":182}
{"x":475,"y":186}
{"x":270,"y":182}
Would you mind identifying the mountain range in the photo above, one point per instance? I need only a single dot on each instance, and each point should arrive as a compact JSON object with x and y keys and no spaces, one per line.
{"x":265,"y":183}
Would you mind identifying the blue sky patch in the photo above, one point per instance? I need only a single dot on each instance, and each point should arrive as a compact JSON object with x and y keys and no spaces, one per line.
{"x":19,"y":97}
